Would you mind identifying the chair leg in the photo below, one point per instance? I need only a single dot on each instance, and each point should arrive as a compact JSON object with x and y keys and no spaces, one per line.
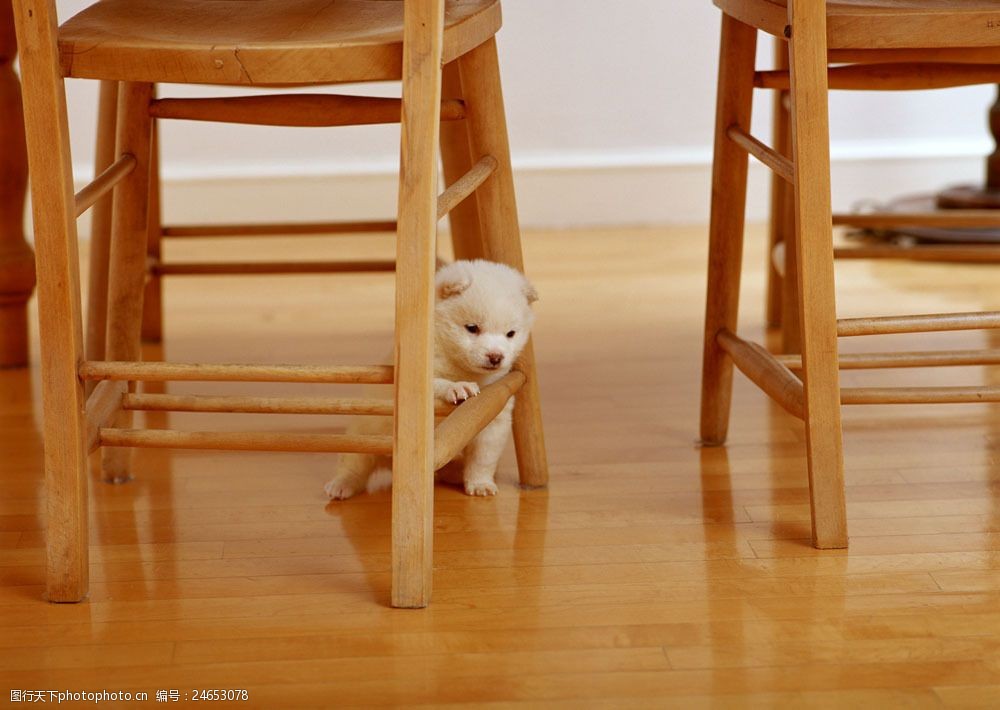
{"x":480,"y":76}
{"x":725,"y":251}
{"x":791,"y":328}
{"x":811,"y":155}
{"x":152,"y":301}
{"x":59,"y":309}
{"x":413,"y":425}
{"x":127,"y":269}
{"x":785,"y":291}
{"x":100,"y":227}
{"x":778,"y":232}
{"x":456,"y":159}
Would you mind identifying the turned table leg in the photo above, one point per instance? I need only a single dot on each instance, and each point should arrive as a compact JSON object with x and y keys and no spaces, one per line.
{"x":17,"y":262}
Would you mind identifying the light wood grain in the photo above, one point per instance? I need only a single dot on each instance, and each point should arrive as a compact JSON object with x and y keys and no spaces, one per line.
{"x":783,"y":293}
{"x":60,"y":317}
{"x":968,"y":55}
{"x":103,"y":405}
{"x":487,"y":124}
{"x":457,"y":430}
{"x":778,"y":163}
{"x":416,"y":248}
{"x":885,"y":45}
{"x":961,"y":253}
{"x":791,"y":301}
{"x":780,"y":205}
{"x":811,"y":30}
{"x":278,"y":42}
{"x":266,"y":405}
{"x":813,"y":229}
{"x":294,"y":110}
{"x":466,"y":185}
{"x":947,"y":218}
{"x":768,"y":373}
{"x":103,"y":183}
{"x":642,"y":541}
{"x":925,"y":323}
{"x":915,"y":76}
{"x":883,"y":24}
{"x":275,"y":43}
{"x":918,"y":395}
{"x":100,"y":225}
{"x":357,"y":32}
{"x":734,"y":103}
{"x":282,"y":229}
{"x":932,"y":358}
{"x":245,"y":441}
{"x":171,"y":371}
{"x":456,"y":159}
{"x":244,"y":268}
{"x":152,"y":295}
{"x":127,"y":264}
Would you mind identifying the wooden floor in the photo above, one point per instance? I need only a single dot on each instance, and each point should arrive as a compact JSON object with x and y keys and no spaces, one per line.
{"x":652,"y":573}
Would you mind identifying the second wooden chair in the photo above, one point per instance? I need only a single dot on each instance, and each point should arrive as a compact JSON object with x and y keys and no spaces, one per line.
{"x":880,"y":43}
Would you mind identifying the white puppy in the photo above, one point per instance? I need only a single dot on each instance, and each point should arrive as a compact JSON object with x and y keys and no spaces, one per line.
{"x":482,"y":319}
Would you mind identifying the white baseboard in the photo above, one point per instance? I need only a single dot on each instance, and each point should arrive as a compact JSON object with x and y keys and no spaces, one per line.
{"x":666,"y":187}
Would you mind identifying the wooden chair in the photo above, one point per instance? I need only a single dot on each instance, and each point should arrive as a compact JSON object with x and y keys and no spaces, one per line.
{"x":455,"y":156}
{"x":269,"y":42}
{"x":781,"y":300}
{"x":871,"y":44}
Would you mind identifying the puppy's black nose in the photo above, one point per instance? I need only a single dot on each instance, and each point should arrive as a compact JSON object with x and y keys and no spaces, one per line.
{"x":494,"y":358}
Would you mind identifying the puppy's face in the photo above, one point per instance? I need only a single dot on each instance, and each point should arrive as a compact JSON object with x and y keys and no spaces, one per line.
{"x":483,"y":315}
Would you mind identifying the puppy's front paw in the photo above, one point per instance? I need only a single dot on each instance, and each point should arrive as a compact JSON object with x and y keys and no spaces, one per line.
{"x":340,"y":488}
{"x":480,"y":488}
{"x":458,"y":392}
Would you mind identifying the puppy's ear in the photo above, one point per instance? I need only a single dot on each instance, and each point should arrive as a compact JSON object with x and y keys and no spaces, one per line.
{"x":529,"y":292}
{"x":452,"y":280}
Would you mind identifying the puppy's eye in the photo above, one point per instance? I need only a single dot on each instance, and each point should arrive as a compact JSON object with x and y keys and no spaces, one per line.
{"x":511,"y":333}
{"x":472,"y":328}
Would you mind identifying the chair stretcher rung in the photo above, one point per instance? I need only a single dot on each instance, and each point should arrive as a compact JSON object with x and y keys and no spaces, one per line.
{"x":471,"y":417}
{"x":781,"y":165}
{"x":265,"y":405}
{"x":104,"y":183}
{"x":465,"y":185}
{"x":172,"y":371}
{"x":247,"y":441}
{"x":271,"y":267}
{"x":941,"y":218}
{"x":918,"y":395}
{"x":102,"y":405}
{"x":303,"y":110}
{"x":765,"y":371}
{"x":964,"y":253}
{"x":283,"y":229}
{"x":930,"y":323}
{"x":901,"y":76}
{"x":876,"y":361}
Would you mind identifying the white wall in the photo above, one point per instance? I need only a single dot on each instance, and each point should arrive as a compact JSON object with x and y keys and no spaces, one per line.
{"x":610,"y":108}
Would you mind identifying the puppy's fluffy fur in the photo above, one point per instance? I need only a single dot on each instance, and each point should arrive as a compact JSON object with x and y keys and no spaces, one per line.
{"x":482,"y":319}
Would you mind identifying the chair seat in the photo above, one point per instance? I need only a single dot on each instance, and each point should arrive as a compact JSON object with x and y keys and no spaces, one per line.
{"x":886,"y":24}
{"x":255,"y":42}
